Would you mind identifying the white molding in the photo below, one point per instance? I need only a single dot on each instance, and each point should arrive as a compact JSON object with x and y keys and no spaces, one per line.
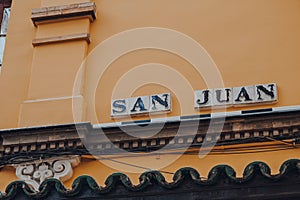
{"x":52,"y":99}
{"x":194,"y":117}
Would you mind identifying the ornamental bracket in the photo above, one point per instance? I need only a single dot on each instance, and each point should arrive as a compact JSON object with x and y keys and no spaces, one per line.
{"x":35,"y":173}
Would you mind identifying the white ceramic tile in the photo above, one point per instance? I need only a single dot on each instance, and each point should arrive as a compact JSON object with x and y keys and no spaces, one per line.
{"x":119,"y":107}
{"x":199,"y":99}
{"x":264,"y":92}
{"x":156,"y":106}
{"x":243,"y":95}
{"x":138,"y":105}
{"x":222,"y":97}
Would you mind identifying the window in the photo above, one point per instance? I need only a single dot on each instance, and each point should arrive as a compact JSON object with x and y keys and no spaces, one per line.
{"x":5,"y":12}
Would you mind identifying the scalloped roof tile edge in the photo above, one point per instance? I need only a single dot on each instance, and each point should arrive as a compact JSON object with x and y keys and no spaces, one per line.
{"x":217,"y":173}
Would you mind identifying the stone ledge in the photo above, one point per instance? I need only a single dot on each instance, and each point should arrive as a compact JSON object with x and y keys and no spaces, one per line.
{"x":65,"y":38}
{"x":61,"y":13}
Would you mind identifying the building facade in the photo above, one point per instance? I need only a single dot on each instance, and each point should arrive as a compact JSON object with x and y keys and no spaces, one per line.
{"x":139,"y":100}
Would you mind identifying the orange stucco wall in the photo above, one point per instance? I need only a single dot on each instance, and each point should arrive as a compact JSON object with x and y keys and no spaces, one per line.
{"x":251,"y":42}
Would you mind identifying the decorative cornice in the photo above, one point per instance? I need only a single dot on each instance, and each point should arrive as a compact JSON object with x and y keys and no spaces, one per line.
{"x":42,"y":142}
{"x":257,"y":183}
{"x":35,"y":173}
{"x":66,"y":12}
